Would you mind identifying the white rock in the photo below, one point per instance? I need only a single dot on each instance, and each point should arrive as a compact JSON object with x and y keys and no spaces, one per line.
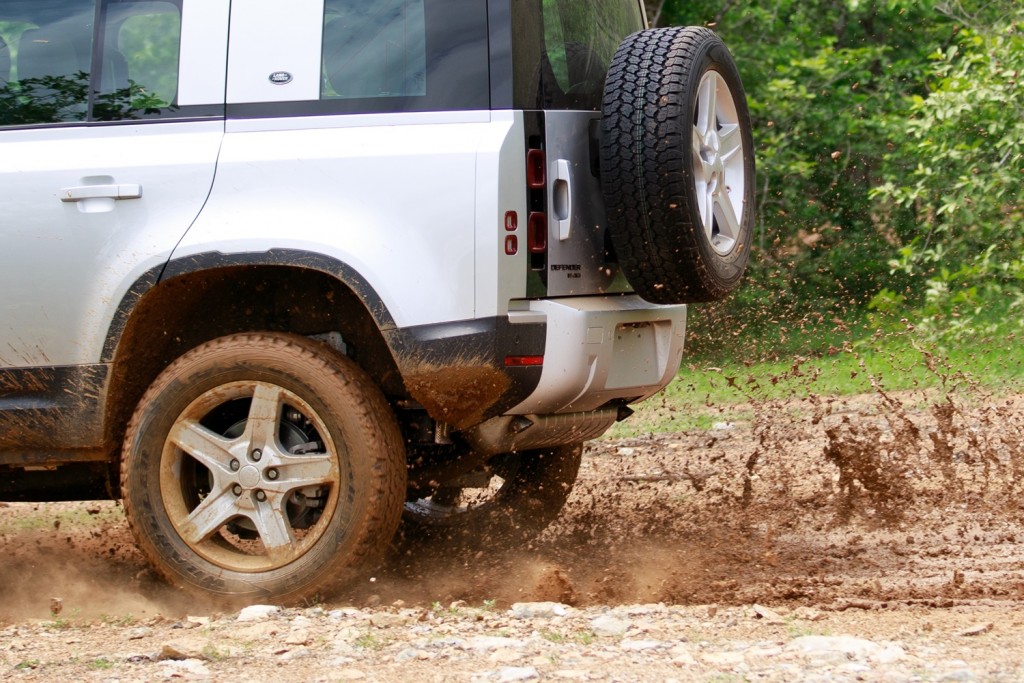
{"x":770,"y":616}
{"x":538,"y":610}
{"x":505,"y":655}
{"x":681,"y":656}
{"x":508,"y":674}
{"x":854,"y":648}
{"x":626,"y":450}
{"x":487,"y":643}
{"x":188,"y":666}
{"x":608,"y":626}
{"x":641,"y":645}
{"x":258,"y":612}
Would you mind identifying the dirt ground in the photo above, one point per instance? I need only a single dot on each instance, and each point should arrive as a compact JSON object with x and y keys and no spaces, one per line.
{"x":878,"y":513}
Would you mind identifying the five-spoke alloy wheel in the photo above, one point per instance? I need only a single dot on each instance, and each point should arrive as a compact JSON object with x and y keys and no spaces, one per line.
{"x":263,"y":465}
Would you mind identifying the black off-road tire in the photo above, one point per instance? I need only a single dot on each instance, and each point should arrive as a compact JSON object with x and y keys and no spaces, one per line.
{"x":531,"y":489}
{"x":315,"y":418}
{"x":659,"y":168}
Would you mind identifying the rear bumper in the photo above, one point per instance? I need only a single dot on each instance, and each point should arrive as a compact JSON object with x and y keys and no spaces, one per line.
{"x":601,"y":350}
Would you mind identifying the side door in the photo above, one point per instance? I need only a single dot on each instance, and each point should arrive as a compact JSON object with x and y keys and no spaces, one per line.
{"x":111,"y":118}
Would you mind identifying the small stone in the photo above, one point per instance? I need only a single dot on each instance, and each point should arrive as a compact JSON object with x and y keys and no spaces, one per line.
{"x":387,"y":620}
{"x":505,"y":655}
{"x":770,"y":616}
{"x":259,"y":631}
{"x":608,"y":626}
{"x":571,"y":674}
{"x":958,"y":676}
{"x":626,"y":450}
{"x":182,"y":649}
{"x":487,"y":643}
{"x":976,"y":630}
{"x":509,"y":674}
{"x":298,"y":637}
{"x":824,"y":647}
{"x":56,"y":606}
{"x":409,"y":654}
{"x":198,"y":621}
{"x":349,"y":675}
{"x":139,"y":633}
{"x":712,"y":611}
{"x":641,"y":645}
{"x":538,"y":610}
{"x":258,"y":612}
{"x":680,"y":656}
{"x":723,"y":659}
{"x":188,"y":666}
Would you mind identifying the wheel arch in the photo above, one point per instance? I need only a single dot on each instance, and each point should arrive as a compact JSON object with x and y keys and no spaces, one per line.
{"x":194,"y":299}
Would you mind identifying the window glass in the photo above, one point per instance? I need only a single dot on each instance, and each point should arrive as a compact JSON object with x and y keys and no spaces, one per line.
{"x":562,"y":49}
{"x":47,"y":68}
{"x":48,"y":46}
{"x":396,"y":56}
{"x":374,"y":49}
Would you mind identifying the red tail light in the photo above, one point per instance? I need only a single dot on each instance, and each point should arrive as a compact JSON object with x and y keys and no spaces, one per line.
{"x":537,"y":232}
{"x":536,"y":177}
{"x":523,"y":361}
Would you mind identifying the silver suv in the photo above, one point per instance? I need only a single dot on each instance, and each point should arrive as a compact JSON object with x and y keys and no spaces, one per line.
{"x":287,"y":278}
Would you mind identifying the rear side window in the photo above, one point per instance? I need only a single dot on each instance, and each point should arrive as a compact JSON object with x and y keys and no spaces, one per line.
{"x":62,"y":61}
{"x":404,"y":55}
{"x":374,"y":49}
{"x":562,"y":49}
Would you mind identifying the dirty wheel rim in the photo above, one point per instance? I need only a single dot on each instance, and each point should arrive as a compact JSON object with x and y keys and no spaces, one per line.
{"x":718,"y":165}
{"x":249,"y":476}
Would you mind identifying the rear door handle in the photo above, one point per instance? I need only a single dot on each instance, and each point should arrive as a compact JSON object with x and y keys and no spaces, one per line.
{"x":123,"y":191}
{"x":561,"y":195}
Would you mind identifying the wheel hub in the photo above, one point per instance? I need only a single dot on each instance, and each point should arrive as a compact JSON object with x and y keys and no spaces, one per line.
{"x":249,"y":477}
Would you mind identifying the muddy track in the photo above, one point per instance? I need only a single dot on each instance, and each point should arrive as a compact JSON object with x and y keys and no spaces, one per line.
{"x":859,"y":503}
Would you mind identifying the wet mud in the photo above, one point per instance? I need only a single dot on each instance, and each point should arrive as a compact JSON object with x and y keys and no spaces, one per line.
{"x":855,"y":503}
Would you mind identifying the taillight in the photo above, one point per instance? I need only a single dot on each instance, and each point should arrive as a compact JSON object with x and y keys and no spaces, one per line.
{"x":523,"y":361}
{"x":537,"y":232}
{"x":536,"y":174}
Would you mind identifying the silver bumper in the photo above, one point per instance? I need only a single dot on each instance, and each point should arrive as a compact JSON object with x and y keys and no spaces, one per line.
{"x":600,"y":349}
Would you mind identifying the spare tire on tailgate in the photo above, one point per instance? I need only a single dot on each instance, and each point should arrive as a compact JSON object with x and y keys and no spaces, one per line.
{"x":677,"y":165}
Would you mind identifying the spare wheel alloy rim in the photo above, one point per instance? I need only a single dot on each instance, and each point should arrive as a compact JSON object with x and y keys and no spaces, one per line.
{"x":718,"y":163}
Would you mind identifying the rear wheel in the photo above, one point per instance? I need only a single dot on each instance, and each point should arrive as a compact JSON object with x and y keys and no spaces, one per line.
{"x":262,"y":466}
{"x":514,"y":497}
{"x":677,"y":165}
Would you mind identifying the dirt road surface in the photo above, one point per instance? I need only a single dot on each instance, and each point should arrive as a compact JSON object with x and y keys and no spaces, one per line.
{"x":870,"y":538}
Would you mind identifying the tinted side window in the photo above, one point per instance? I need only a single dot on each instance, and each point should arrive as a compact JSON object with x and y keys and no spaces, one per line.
{"x":49,"y":51}
{"x":374,"y":49}
{"x":55,"y":67}
{"x":562,"y":49}
{"x":138,"y":60}
{"x":404,"y":55}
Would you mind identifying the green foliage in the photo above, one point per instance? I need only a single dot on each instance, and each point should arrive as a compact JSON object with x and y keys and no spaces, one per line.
{"x":889,"y":138}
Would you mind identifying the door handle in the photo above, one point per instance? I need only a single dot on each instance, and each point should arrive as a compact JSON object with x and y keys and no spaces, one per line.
{"x":124,"y":191}
{"x":561,"y":191}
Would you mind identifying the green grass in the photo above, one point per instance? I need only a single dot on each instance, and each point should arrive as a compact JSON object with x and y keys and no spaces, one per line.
{"x":77,"y":517}
{"x":839,"y":359}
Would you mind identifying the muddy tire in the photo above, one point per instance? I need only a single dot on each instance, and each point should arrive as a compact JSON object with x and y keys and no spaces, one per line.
{"x":262,"y":467}
{"x":519,"y":495}
{"x":677,"y":165}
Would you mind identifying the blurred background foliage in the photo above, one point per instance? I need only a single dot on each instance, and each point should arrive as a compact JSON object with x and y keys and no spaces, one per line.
{"x":890,"y":164}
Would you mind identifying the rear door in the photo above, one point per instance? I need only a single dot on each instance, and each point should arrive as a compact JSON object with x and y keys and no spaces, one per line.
{"x":111,"y":117}
{"x":561,"y":53}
